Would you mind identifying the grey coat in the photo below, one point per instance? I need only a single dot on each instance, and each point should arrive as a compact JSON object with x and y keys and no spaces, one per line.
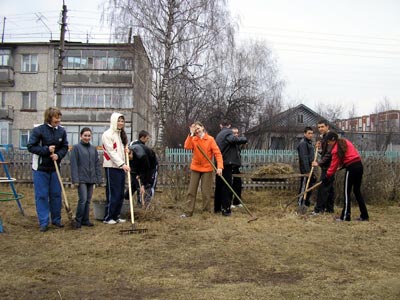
{"x":85,"y":164}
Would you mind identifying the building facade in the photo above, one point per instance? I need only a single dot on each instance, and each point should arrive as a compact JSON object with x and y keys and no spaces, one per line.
{"x":379,"y":131}
{"x":96,"y":80}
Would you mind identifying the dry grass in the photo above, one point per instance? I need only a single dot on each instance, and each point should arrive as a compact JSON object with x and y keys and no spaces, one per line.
{"x":280,"y":256}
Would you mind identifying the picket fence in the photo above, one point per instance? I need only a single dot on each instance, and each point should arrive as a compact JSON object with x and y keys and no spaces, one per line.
{"x":174,"y":166}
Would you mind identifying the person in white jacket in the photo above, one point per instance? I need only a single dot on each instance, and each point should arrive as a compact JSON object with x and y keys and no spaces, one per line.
{"x":114,"y":142}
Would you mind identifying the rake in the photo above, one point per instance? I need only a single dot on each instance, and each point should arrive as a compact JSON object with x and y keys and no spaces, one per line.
{"x":252,"y":217}
{"x":133,"y":229}
{"x":302,"y":193}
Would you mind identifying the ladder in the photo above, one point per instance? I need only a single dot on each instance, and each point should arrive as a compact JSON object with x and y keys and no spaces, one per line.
{"x":6,"y":196}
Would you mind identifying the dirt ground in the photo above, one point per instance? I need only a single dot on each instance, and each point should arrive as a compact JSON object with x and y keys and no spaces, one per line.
{"x":280,"y":256}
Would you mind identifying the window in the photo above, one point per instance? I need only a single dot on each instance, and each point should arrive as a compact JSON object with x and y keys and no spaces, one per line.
{"x":29,"y":63}
{"x":29,"y":100}
{"x":97,"y":97}
{"x":5,"y":57}
{"x":3,"y":99}
{"x":5,"y":133}
{"x":23,"y":138}
{"x":300,"y":119}
{"x":73,"y":133}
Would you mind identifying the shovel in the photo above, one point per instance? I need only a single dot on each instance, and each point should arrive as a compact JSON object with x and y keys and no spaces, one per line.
{"x":133,"y":226}
{"x":252,"y":217}
{"x":65,"y":199}
{"x":302,"y":193}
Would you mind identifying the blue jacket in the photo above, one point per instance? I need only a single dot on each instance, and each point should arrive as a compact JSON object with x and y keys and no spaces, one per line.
{"x":85,"y":164}
{"x":40,"y":139}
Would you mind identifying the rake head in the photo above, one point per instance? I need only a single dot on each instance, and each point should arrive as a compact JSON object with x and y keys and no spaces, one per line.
{"x":253,"y":218}
{"x":133,"y":230}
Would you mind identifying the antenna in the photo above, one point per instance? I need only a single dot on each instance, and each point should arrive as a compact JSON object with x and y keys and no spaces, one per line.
{"x":40,"y":18}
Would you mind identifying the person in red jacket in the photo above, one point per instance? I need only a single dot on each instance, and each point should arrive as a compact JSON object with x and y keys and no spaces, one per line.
{"x":345,"y":155}
{"x":200,"y":167}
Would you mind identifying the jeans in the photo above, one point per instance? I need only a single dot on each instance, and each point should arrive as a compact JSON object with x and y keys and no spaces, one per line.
{"x":47,"y":197}
{"x":85,"y":192}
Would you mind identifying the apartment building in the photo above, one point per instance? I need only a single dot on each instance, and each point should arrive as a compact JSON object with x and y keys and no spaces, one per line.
{"x":97,"y":80}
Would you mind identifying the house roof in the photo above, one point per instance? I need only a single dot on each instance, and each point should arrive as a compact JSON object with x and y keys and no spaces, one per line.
{"x":288,"y":120}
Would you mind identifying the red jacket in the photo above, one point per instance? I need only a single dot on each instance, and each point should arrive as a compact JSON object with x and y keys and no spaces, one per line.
{"x":208,"y":144}
{"x":350,"y":157}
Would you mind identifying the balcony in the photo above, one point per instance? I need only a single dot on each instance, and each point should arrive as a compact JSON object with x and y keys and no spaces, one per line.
{"x":7,"y":113}
{"x":6,"y":76}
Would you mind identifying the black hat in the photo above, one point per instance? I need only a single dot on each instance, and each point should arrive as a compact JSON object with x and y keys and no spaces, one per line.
{"x":331,"y":136}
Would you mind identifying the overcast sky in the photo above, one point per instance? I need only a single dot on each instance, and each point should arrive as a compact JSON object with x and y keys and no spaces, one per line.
{"x":341,"y":52}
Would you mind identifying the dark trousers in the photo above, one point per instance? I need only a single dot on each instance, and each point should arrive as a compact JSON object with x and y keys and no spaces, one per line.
{"x":352,"y":182}
{"x":237,"y":186}
{"x":223,"y":195}
{"x":326,"y":194}
{"x":85,"y":192}
{"x":115,"y":185}
{"x":303,"y":183}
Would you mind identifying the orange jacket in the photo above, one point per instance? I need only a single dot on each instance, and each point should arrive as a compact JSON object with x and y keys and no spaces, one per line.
{"x":210,"y":147}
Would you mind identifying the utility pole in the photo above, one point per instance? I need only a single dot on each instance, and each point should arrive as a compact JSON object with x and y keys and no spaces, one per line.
{"x":4,"y":26}
{"x":61,"y":56}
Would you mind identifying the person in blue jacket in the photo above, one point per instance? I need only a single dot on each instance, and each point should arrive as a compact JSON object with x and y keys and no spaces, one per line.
{"x":85,"y":173}
{"x":48,"y":143}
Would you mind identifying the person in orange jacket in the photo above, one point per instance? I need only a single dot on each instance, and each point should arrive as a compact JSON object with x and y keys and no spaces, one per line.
{"x":200,"y":167}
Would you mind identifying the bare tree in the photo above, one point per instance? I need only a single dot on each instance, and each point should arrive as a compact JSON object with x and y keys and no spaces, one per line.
{"x":331,"y":112}
{"x":177,"y":35}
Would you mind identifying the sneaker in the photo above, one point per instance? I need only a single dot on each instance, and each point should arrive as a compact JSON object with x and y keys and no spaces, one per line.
{"x":233,"y":206}
{"x":239,"y":205}
{"x":77,"y":225}
{"x":314,"y":213}
{"x":43,"y":228}
{"x":121,"y":220}
{"x":183,"y":216}
{"x":338,"y":220}
{"x":110,"y":222}
{"x":362,"y":219}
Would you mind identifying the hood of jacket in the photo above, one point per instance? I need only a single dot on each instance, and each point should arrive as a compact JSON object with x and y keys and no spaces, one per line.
{"x":114,"y":120}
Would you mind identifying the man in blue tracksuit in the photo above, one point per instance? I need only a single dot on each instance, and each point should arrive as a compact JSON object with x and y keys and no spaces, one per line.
{"x":48,"y":143}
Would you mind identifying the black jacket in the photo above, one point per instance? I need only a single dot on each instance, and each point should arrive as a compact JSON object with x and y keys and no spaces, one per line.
{"x":326,"y":156}
{"x":306,"y":153}
{"x":227,"y":144}
{"x":144,"y":163}
{"x":40,"y":139}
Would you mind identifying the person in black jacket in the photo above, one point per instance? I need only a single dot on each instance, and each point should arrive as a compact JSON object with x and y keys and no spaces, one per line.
{"x":48,"y":143}
{"x":144,"y":169}
{"x":227,"y":143}
{"x":237,"y":181}
{"x":325,"y":197}
{"x":85,"y":173}
{"x":306,"y":154}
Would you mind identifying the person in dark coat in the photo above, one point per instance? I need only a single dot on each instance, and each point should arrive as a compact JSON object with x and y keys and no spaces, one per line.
{"x":227,"y":143}
{"x":48,"y":143}
{"x":306,"y":153}
{"x":144,"y":168}
{"x":85,"y":173}
{"x":237,"y":181}
{"x":325,"y":197}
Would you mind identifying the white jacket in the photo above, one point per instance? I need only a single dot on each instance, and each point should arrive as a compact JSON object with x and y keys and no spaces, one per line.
{"x":113,"y":149}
